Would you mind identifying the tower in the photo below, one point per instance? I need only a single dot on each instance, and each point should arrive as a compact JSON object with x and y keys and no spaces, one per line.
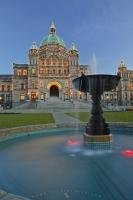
{"x":74,"y":69}
{"x":33,"y":73}
{"x":74,"y":56}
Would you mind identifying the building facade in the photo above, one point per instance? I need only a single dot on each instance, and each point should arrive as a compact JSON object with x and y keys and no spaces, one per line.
{"x":50,"y":70}
{"x":49,"y":73}
{"x":125,"y":87}
{"x":6,"y":91}
{"x":123,"y":94}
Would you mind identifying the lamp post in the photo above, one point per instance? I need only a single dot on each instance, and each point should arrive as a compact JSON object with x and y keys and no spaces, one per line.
{"x":107,"y":100}
{"x":80,"y":97}
{"x":0,"y":99}
{"x":71,"y":97}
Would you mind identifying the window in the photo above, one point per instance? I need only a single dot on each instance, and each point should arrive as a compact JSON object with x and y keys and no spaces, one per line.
{"x":22,"y":86}
{"x":53,"y":71}
{"x":2,"y":88}
{"x":42,"y":96}
{"x":33,"y":85}
{"x":33,"y":71}
{"x":41,"y":71}
{"x":33,"y":61}
{"x":48,"y":62}
{"x":22,"y":97}
{"x":66,"y":83}
{"x":8,"y":88}
{"x":65,"y":63}
{"x":24,"y":72}
{"x":41,"y":84}
{"x":19,"y":72}
{"x":59,"y":71}
{"x":60,"y":63}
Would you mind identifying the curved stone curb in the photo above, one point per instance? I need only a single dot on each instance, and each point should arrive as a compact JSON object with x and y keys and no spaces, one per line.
{"x":10,"y":133}
{"x":8,"y":196}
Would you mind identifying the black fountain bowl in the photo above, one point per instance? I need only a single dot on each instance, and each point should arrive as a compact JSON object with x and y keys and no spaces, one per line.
{"x":97,"y":83}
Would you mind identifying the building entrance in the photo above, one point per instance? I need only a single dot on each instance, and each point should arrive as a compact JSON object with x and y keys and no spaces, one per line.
{"x":54,"y":91}
{"x":33,"y":96}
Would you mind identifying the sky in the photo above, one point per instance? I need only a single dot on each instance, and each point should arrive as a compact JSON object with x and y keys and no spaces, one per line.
{"x":101,"y":29}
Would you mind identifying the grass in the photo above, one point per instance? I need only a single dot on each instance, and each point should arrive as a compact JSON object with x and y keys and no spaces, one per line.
{"x":15,"y":120}
{"x":126,"y":116}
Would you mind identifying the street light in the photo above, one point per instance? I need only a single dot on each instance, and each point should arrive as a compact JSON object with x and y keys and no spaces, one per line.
{"x":71,"y":95}
{"x":0,"y":101}
{"x":107,"y":100}
{"x":80,"y":97}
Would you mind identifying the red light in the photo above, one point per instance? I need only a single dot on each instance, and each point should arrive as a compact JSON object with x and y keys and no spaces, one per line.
{"x":127,"y":153}
{"x":73,"y":142}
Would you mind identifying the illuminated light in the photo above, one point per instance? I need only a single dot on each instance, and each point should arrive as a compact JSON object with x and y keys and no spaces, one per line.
{"x":73,"y":142}
{"x":127,"y":153}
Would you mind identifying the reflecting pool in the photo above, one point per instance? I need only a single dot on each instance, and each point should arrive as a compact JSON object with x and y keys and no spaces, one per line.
{"x":55,"y":165}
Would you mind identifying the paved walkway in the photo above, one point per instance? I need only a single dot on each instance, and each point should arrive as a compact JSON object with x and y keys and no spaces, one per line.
{"x":63,"y":118}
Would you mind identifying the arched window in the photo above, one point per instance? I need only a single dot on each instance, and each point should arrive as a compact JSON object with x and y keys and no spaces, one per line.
{"x":24,"y":72}
{"x":22,"y":97}
{"x":19,"y":72}
{"x":33,"y":71}
{"x":41,"y":84}
{"x":8,"y":88}
{"x":33,"y":84}
{"x":22,"y":86}
{"x":2,"y":88}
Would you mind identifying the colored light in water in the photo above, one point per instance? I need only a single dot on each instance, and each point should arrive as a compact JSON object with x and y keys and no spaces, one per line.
{"x":127,"y":153}
{"x":73,"y":142}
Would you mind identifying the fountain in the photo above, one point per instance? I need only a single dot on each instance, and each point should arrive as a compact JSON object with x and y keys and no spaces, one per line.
{"x":97,"y":130}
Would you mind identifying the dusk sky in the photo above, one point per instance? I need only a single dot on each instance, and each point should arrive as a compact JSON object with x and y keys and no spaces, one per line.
{"x":103,"y":28}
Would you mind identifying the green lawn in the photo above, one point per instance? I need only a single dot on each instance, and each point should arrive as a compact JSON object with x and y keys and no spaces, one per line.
{"x":15,"y":120}
{"x":109,"y":116}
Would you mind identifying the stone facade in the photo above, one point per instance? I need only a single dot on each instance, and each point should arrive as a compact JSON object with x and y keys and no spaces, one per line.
{"x":50,"y":71}
{"x":123,"y":94}
{"x":125,"y":87}
{"x":6,"y":88}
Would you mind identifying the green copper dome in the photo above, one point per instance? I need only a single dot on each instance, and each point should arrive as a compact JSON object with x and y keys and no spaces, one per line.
{"x":52,"y":38}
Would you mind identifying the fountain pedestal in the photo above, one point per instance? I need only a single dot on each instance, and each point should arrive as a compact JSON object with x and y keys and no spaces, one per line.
{"x":97,"y":130}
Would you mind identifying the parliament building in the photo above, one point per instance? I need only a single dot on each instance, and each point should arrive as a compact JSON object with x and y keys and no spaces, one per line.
{"x":49,"y":73}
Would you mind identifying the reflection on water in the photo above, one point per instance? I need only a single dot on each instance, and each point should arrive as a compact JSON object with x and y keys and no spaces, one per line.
{"x":127,"y":153}
{"x":76,"y":147}
{"x":73,"y":146}
{"x":97,"y":153}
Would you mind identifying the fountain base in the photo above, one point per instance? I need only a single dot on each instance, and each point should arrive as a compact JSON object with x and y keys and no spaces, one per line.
{"x":98,"y":142}
{"x":97,"y":138}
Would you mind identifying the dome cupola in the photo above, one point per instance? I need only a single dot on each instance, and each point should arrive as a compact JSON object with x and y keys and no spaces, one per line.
{"x":52,"y":38}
